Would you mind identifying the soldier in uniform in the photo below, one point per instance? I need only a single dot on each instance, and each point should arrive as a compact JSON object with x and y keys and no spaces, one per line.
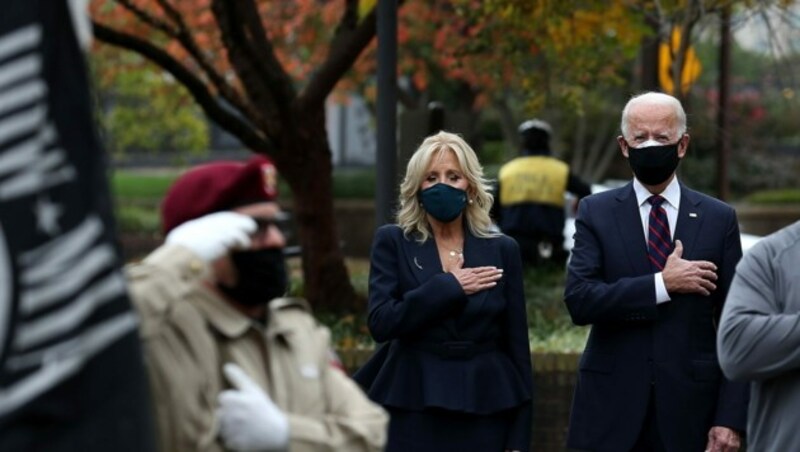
{"x":529,"y":205}
{"x":233,"y":364}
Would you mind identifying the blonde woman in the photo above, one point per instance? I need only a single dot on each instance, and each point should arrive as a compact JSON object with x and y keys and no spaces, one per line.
{"x":446,"y":296}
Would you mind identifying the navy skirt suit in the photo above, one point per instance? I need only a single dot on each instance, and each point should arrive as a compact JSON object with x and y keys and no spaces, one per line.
{"x":455,"y":370}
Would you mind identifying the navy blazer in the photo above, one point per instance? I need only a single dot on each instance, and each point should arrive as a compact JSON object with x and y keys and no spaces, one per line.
{"x":635,"y":344}
{"x":417,"y":307}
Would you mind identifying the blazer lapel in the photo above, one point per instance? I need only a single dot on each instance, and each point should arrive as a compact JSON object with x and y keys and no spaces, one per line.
{"x":629,"y":225}
{"x":690,"y":219}
{"x":422,"y":259}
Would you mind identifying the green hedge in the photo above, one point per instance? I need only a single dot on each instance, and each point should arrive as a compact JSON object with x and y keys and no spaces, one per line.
{"x":137,"y":218}
{"x":549,"y":325}
{"x":782,"y":196}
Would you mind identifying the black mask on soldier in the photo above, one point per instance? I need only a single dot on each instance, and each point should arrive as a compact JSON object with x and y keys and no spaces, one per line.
{"x":262,"y":276}
{"x":653,"y":165}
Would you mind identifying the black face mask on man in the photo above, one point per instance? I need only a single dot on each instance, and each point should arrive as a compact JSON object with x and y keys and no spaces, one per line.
{"x":262,"y":276}
{"x":653,"y":163}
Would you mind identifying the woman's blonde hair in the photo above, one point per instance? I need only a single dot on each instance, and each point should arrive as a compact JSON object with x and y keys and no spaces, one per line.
{"x":411,"y":217}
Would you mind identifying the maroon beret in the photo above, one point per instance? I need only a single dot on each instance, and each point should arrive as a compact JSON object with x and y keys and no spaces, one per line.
{"x":218,"y":186}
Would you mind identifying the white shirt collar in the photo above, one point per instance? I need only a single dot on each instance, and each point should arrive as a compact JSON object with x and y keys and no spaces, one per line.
{"x":672,"y":193}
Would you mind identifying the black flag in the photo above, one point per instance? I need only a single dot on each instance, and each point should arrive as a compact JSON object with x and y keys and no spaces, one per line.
{"x":71,"y":372}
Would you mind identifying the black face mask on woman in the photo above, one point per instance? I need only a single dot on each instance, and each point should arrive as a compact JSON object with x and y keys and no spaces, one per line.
{"x":443,"y":202}
{"x":653,"y":165}
{"x":262,"y":276}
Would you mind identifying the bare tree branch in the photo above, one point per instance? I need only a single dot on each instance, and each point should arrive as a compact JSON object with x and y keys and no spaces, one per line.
{"x":230,"y":122}
{"x":243,"y":60}
{"x":508,"y":124}
{"x":691,"y":15}
{"x":179,"y":31}
{"x":346,"y":46}
{"x":147,"y":18}
{"x":579,"y":151}
{"x":349,"y":17}
{"x":600,"y":147}
{"x":263,"y":54}
{"x":600,"y":169}
{"x":171,"y":11}
{"x":185,"y":37}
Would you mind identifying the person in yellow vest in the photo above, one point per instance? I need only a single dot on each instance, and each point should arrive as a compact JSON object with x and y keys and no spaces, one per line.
{"x":529,"y":202}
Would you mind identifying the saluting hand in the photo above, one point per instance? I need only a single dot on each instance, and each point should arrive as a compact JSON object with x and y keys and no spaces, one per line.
{"x":475,"y":279}
{"x":213,"y":235}
{"x":684,"y":276}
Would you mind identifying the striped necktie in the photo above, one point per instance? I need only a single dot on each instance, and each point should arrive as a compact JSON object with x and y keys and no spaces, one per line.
{"x":659,"y":242}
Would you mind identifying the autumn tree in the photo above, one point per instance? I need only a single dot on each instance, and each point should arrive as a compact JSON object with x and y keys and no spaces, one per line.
{"x":262,"y":71}
{"x":145,"y":110}
{"x":568,"y":61}
{"x":573,"y":60}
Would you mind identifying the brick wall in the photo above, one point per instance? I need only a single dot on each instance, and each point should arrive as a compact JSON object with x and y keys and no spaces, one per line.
{"x":554,"y":377}
{"x":766,"y":219}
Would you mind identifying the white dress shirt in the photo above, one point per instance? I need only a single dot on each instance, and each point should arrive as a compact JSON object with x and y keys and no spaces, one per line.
{"x":672,"y":197}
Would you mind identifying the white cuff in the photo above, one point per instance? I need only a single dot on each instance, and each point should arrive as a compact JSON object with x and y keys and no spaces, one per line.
{"x":661,"y":290}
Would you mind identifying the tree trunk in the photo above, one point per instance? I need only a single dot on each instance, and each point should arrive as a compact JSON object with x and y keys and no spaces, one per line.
{"x":723,"y":115}
{"x":648,"y":61}
{"x":326,"y":279}
{"x":257,"y":102}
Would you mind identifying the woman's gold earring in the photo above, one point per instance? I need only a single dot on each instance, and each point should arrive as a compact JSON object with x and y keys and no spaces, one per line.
{"x":470,"y":201}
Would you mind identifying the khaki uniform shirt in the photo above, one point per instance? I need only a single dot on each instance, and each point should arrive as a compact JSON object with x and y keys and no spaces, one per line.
{"x":189,"y":332}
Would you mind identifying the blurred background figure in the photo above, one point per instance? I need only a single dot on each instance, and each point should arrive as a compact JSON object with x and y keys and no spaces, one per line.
{"x":71,"y":375}
{"x":529,"y":203}
{"x":233,"y":364}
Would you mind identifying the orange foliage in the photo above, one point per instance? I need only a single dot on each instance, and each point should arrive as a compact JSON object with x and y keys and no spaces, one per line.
{"x":486,"y":45}
{"x":299,"y":31}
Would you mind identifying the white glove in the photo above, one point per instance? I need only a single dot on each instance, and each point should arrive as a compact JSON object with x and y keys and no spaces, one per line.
{"x":212,"y":235}
{"x":248,"y":418}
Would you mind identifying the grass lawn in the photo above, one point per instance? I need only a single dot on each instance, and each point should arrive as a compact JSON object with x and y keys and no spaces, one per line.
{"x":142,"y":186}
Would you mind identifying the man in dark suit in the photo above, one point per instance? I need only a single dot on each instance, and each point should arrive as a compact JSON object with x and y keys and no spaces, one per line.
{"x":650,"y":274}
